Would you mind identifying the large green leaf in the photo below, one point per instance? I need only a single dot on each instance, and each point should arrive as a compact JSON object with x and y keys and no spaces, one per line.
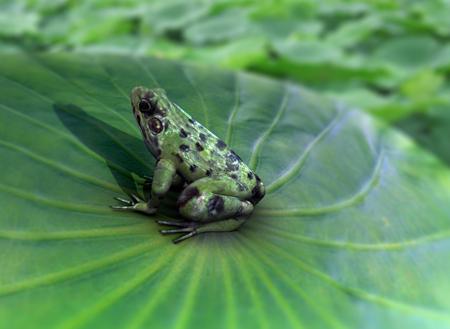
{"x":353,"y":231}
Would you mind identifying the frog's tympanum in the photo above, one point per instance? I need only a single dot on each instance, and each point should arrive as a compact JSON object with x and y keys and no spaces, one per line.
{"x":219,"y":192}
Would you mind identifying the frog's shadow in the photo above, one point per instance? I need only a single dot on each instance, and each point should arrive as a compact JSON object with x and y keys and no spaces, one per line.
{"x":109,"y":143}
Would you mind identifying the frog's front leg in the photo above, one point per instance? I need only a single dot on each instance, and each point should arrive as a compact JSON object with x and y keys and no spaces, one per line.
{"x":212,"y":205}
{"x":162,"y":180}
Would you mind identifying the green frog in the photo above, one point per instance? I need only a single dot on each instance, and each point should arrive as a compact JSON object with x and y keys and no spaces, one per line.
{"x":219,"y":190}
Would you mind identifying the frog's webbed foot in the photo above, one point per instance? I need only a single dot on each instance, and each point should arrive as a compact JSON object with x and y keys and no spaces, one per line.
{"x":189,"y":228}
{"x":135,"y":204}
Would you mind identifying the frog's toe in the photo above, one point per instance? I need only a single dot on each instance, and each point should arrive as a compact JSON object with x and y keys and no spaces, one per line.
{"x":125,"y":201}
{"x":177,"y":230}
{"x":135,"y":203}
{"x":184,"y":237}
{"x":190,"y":232}
{"x":135,"y":199}
{"x":145,"y":181}
{"x":177,"y":223}
{"x":122,"y":207}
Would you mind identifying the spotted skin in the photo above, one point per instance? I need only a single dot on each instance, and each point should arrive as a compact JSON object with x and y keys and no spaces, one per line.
{"x":220,"y":190}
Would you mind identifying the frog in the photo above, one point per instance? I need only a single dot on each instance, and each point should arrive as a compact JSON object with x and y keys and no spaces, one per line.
{"x":218,"y":190}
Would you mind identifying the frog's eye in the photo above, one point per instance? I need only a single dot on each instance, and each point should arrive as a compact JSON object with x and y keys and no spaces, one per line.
{"x":155,"y":125}
{"x":145,"y":106}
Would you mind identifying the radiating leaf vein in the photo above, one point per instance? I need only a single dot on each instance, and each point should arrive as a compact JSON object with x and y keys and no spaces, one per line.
{"x":234,"y":111}
{"x":364,"y":295}
{"x":261,"y":140}
{"x":356,"y":198}
{"x":79,"y":269}
{"x":294,"y":170}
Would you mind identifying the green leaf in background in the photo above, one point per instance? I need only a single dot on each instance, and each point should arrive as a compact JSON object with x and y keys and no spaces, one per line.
{"x":407,"y":53}
{"x":309,"y":52}
{"x":164,"y":16}
{"x":353,"y":231}
{"x":221,"y":28}
{"x":16,"y":21}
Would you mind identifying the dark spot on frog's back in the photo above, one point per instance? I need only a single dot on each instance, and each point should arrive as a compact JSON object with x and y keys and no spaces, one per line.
{"x":232,"y":166}
{"x":199,"y":147}
{"x":186,"y":195}
{"x":184,"y":147}
{"x":193,"y":168}
{"x":221,"y":144}
{"x":215,"y":205}
{"x":202,"y":137}
{"x":183,"y":133}
{"x":232,"y":153}
{"x":250,"y":175}
{"x":232,"y":161}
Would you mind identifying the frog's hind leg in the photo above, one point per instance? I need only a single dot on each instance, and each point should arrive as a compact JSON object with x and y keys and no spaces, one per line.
{"x":209,"y":212}
{"x":193,"y":228}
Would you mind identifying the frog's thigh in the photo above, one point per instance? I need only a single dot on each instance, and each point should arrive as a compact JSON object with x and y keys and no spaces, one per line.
{"x":203,"y":201}
{"x":208,"y":206}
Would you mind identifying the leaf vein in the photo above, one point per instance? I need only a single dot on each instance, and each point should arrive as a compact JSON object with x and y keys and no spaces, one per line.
{"x":77,"y":270}
{"x":233,"y":111}
{"x":60,"y":167}
{"x":51,"y":102}
{"x":68,"y":137}
{"x":356,"y":246}
{"x":55,"y":203}
{"x":132,"y":284}
{"x":356,"y":198}
{"x":136,"y":229}
{"x":362,"y":294}
{"x":298,"y":165}
{"x":116,"y":114}
{"x":254,"y":159}
{"x":200,"y":96}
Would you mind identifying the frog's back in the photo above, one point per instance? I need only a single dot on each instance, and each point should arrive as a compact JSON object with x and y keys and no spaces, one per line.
{"x":200,"y":153}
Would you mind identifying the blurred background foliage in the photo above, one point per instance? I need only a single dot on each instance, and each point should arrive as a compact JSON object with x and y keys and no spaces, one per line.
{"x":390,"y":58}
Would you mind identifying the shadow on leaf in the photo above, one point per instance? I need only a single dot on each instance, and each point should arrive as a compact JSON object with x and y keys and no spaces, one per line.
{"x":123,"y":153}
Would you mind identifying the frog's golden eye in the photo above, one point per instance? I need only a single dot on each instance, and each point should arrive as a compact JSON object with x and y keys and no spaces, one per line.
{"x":155,"y":125}
{"x":145,"y":106}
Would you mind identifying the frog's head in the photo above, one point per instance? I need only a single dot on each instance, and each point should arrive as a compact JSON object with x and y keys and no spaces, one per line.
{"x":150,"y":108}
